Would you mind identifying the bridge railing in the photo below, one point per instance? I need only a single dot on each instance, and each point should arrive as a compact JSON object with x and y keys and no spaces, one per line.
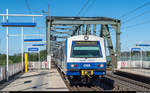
{"x":13,"y":69}
{"x":38,"y":65}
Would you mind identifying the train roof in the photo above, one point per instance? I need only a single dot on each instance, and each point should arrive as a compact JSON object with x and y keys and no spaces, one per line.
{"x":83,"y":37}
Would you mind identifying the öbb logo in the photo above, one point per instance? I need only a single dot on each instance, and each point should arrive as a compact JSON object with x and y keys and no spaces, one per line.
{"x":86,"y":65}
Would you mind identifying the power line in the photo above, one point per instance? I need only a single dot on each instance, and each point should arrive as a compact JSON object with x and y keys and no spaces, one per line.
{"x":88,"y":7}
{"x":132,"y":11}
{"x":28,"y":6}
{"x":137,"y":16}
{"x":83,"y":7}
{"x":136,"y":24}
{"x":77,"y":27}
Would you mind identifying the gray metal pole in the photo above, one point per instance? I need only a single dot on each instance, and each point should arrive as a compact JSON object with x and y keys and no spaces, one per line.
{"x":48,"y":44}
{"x":7,"y":49}
{"x":117,"y":44}
{"x":48,"y":28}
{"x":79,"y":30}
{"x":39,"y":59}
{"x":130,"y":57}
{"x":110,"y":45}
{"x":94,"y":29}
{"x":83,"y":29}
{"x":22,"y":47}
{"x":89,"y":29}
{"x":102,"y":31}
{"x":141,"y":59}
{"x":86,"y":33}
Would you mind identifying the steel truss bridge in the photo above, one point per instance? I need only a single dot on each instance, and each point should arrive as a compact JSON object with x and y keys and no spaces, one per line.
{"x":66,"y":27}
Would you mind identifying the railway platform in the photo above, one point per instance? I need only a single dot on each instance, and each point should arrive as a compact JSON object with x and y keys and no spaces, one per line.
{"x":139,"y":72}
{"x":38,"y":80}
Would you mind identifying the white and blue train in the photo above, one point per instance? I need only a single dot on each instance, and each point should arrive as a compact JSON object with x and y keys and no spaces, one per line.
{"x":82,"y":56}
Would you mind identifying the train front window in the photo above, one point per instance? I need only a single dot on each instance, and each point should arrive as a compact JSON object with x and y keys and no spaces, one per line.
{"x":86,"y":49}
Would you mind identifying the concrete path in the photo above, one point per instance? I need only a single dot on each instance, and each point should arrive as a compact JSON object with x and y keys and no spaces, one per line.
{"x":38,"y":80}
{"x":141,"y":72}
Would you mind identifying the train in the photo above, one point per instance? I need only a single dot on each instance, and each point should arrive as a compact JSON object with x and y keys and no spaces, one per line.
{"x":81,"y":57}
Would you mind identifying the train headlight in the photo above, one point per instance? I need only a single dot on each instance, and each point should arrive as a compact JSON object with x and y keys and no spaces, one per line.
{"x":72,"y":65}
{"x":86,"y":37}
{"x":101,"y":65}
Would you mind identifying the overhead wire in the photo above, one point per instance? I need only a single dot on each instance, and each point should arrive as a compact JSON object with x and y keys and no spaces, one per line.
{"x":134,"y":10}
{"x":136,"y":16}
{"x":133,"y":18}
{"x":28,"y":6}
{"x":130,"y":26}
{"x":84,"y":6}
{"x":81,"y":10}
{"x":89,"y":7}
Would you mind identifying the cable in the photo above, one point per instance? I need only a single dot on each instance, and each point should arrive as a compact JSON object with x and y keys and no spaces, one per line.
{"x":89,"y":7}
{"x":28,"y":6}
{"x":137,"y":16}
{"x":83,"y":8}
{"x":132,"y":11}
{"x":136,"y":24}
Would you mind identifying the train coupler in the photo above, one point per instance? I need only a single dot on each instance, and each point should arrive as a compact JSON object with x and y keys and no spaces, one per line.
{"x":89,"y":76}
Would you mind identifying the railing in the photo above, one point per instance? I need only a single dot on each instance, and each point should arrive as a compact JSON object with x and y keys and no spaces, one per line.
{"x":38,"y":65}
{"x":13,"y":69}
{"x":17,"y":67}
{"x":134,"y":61}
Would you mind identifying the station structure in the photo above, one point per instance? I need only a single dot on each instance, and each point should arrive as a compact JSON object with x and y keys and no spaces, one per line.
{"x":6,"y":23}
{"x":59,"y":28}
{"x":82,"y":26}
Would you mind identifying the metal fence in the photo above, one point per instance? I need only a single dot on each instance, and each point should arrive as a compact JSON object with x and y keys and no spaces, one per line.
{"x":134,"y":60}
{"x":38,"y":65}
{"x":13,"y":69}
{"x":17,"y":67}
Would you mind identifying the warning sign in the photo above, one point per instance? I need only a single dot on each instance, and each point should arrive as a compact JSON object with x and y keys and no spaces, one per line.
{"x":123,"y":63}
{"x":46,"y":64}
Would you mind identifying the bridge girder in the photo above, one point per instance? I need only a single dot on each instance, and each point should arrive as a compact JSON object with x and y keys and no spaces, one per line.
{"x":85,"y":22}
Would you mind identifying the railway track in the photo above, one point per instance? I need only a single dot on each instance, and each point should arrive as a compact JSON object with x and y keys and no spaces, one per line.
{"x":110,"y":82}
{"x":127,"y":84}
{"x":85,"y":88}
{"x":78,"y":86}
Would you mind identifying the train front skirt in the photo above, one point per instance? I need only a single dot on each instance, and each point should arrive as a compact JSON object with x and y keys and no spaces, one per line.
{"x":75,"y":69}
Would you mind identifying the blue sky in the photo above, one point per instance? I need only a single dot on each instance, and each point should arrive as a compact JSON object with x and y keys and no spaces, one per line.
{"x":101,"y":8}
